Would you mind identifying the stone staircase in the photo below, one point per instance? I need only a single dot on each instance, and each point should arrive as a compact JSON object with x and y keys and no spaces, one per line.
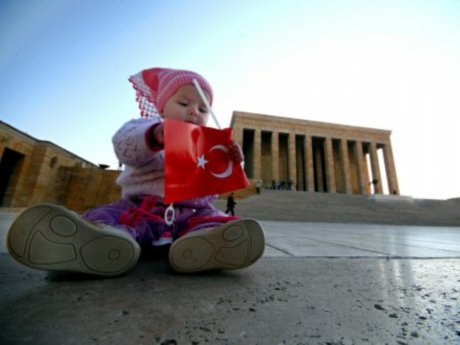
{"x":326,"y":207}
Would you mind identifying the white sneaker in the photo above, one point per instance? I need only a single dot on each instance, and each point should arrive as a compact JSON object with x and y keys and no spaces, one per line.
{"x":233,"y":245}
{"x":51,"y":237}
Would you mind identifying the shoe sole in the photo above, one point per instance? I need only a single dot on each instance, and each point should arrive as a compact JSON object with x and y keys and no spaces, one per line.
{"x":236,"y":244}
{"x":50,"y":237}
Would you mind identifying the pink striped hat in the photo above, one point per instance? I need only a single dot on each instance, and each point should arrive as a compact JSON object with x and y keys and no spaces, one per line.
{"x":155,"y":86}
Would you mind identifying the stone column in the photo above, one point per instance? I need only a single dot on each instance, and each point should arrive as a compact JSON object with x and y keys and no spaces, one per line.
{"x":330,"y":170}
{"x":292,"y":160}
{"x":257,"y":154}
{"x":363,"y":181}
{"x":378,"y":188}
{"x":345,"y":165}
{"x":275,"y":156}
{"x":390,"y":169}
{"x":238,"y":136}
{"x":309,"y":163}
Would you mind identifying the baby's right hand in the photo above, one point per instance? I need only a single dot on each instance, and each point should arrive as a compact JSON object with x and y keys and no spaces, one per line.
{"x":156,"y":136}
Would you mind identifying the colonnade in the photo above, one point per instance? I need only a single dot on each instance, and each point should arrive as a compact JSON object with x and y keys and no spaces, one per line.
{"x":316,"y":157}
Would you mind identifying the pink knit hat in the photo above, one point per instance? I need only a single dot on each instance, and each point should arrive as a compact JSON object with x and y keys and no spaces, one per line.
{"x":155,"y":86}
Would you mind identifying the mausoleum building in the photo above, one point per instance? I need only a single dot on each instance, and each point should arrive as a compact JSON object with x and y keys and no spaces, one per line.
{"x":316,"y":156}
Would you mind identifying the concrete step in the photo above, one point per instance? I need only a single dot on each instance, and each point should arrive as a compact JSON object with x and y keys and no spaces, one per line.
{"x":327,"y":207}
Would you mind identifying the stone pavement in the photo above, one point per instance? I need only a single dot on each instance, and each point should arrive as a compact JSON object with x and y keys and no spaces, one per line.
{"x":318,"y":283}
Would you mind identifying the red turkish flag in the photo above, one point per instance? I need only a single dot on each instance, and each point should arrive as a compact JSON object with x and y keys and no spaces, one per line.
{"x":197,"y":163}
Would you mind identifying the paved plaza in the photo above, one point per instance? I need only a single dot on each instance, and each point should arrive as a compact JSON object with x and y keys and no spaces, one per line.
{"x":317,"y":283}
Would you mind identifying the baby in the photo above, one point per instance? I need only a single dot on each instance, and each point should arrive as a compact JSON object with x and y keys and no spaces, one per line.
{"x":107,"y":240}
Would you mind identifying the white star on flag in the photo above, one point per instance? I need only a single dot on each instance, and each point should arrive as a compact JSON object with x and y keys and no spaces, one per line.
{"x":202,"y":162}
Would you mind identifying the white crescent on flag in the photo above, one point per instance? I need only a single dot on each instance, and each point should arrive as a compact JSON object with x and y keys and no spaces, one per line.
{"x":227,"y":172}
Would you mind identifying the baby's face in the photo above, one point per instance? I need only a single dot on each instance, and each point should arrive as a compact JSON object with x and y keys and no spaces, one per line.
{"x":186,"y":105}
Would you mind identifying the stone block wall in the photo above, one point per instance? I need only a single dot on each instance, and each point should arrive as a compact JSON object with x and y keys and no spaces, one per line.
{"x":83,"y":188}
{"x":34,"y":171}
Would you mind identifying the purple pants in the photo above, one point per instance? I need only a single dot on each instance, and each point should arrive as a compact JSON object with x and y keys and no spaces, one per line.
{"x":143,"y":217}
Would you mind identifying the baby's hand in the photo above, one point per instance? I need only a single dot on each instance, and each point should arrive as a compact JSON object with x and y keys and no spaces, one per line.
{"x":235,"y":152}
{"x":157,"y":135}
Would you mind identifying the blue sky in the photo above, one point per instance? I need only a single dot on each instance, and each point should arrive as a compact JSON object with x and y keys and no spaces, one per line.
{"x":384,"y":64}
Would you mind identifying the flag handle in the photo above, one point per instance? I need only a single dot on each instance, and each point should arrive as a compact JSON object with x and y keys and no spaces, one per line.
{"x":205,"y":100}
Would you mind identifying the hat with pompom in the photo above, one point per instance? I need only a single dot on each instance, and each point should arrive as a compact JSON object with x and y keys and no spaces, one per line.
{"x":155,"y":86}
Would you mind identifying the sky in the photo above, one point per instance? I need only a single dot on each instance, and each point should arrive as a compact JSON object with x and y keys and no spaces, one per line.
{"x":394,"y":65}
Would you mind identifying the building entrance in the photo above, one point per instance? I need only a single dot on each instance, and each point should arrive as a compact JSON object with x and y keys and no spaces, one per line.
{"x":10,"y":167}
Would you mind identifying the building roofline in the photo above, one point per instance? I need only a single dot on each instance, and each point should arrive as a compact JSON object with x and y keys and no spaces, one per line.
{"x":47,"y":142}
{"x":238,"y":113}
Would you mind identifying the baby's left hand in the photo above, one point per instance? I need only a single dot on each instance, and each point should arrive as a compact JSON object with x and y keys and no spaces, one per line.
{"x":235,"y":152}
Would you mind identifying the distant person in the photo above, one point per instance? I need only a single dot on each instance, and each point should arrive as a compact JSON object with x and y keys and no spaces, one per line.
{"x":375,"y":182}
{"x":107,"y":240}
{"x":258,"y":186}
{"x":230,"y":205}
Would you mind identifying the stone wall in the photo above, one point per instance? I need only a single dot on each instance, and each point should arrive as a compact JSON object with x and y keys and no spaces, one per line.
{"x":83,"y":188}
{"x":33,"y":171}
